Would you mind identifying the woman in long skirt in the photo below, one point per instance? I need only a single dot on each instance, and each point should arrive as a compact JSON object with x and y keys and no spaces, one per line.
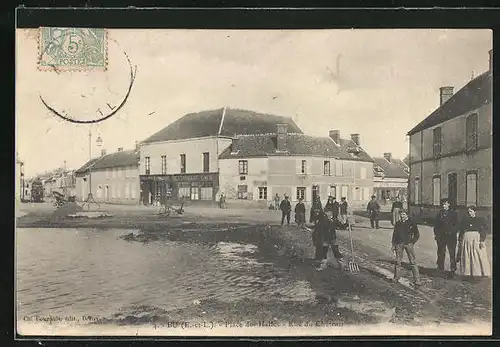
{"x":473,"y":257}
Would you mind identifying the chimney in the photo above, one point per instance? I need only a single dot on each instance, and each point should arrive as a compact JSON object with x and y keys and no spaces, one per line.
{"x":137,"y":145}
{"x":234,"y":145}
{"x":335,"y":135}
{"x":491,"y":60}
{"x":120,"y":149}
{"x":388,"y":157}
{"x":355,"y":139}
{"x":282,"y":138}
{"x":444,"y":94}
{"x":103,"y":152}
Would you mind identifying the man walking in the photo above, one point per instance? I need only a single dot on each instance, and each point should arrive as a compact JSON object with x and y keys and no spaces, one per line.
{"x":404,"y":237}
{"x":445,"y":234}
{"x":285,"y":208}
{"x":373,"y":209}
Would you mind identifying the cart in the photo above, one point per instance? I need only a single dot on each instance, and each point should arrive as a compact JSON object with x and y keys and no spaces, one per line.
{"x":168,"y":209}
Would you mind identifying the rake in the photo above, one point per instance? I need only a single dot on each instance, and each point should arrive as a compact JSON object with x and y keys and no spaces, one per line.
{"x":352,"y":266}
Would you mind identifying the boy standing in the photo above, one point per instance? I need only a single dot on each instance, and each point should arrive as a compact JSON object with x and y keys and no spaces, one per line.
{"x":404,"y":237}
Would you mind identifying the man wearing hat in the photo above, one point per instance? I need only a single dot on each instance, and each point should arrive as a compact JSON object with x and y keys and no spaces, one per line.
{"x":285,"y":208}
{"x":373,"y":209}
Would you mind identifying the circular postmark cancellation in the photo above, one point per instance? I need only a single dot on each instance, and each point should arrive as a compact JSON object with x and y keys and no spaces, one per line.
{"x":72,"y":49}
{"x":68,"y":85}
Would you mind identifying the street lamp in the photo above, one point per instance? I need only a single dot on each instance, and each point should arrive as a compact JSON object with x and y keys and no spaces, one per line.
{"x":90,"y":197}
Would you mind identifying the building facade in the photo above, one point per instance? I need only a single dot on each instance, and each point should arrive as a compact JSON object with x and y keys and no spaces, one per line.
{"x":390,"y":178}
{"x":181,"y":161}
{"x":451,"y":151}
{"x":257,"y":167}
{"x":112,"y":178}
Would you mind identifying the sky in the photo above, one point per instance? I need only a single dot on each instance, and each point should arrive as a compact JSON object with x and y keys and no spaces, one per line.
{"x":378,"y":83}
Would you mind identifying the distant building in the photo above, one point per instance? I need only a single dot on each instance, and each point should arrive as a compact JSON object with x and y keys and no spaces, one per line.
{"x":113,"y":178}
{"x":451,"y":150}
{"x":182,"y":160}
{"x":19,"y":179}
{"x":390,"y":178}
{"x":258,"y":166}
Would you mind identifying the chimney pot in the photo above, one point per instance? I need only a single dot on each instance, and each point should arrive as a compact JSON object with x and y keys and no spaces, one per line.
{"x":103,"y":152}
{"x":282,"y":137}
{"x":491,"y":59}
{"x":388,"y":156}
{"x":120,"y":149}
{"x":355,"y":138}
{"x":137,"y":145}
{"x":444,"y":94}
{"x":334,"y":135}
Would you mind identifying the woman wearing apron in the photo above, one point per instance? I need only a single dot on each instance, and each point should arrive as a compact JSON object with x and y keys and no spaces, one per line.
{"x":472,"y":253}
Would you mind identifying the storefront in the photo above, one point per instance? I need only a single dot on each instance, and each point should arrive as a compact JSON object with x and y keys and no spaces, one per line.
{"x":158,"y":188}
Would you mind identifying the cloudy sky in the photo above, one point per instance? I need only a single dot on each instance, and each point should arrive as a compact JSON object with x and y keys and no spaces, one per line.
{"x":378,"y":83}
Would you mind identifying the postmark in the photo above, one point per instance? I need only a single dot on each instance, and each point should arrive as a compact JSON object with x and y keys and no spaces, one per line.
{"x":72,"y":49}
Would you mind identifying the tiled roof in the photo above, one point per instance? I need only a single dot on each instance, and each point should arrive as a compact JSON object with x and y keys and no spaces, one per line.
{"x":297,"y":144}
{"x":207,"y":123}
{"x":473,"y":95}
{"x":117,"y":159}
{"x":394,"y":169}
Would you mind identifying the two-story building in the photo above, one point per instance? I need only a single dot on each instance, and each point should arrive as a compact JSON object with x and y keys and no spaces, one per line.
{"x":258,"y":166}
{"x":112,"y":178}
{"x":182,"y":160}
{"x":451,"y":150}
{"x":390,"y":178}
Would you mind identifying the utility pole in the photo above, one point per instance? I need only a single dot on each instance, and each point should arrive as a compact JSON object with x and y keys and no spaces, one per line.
{"x":90,"y":198}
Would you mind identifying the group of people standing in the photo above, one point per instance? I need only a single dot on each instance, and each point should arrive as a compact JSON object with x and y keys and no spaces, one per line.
{"x":464,"y":240}
{"x":469,"y":235}
{"x":326,"y":221}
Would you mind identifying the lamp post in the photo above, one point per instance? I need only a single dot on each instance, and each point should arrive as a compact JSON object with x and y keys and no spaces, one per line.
{"x":90,"y":197}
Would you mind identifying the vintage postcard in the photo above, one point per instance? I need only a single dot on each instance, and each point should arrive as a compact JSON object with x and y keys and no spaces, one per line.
{"x":253,"y":182}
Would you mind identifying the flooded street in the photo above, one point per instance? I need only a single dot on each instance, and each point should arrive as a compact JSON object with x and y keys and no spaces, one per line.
{"x":81,"y":272}
{"x":209,"y":275}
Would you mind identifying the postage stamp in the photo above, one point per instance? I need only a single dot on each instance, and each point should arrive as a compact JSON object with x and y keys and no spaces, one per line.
{"x":72,"y":49}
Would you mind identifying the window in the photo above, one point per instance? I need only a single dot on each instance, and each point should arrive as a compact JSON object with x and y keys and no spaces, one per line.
{"x":436,"y":190}
{"x":206,"y":162}
{"x":366,"y":193}
{"x":416,"y":195}
{"x":471,"y":189}
{"x":437,"y":141}
{"x":242,"y":192}
{"x":303,"y":167}
{"x":326,"y":168}
{"x":132,"y":191}
{"x":471,"y":132}
{"x":262,"y":193}
{"x":183,"y":163}
{"x":113,"y":172}
{"x":107,"y":173}
{"x":338,"y":168}
{"x":113,"y":192}
{"x":146,"y":159}
{"x":118,"y":192}
{"x":363,"y":173}
{"x":243,"y":167}
{"x":127,"y":190}
{"x":163,"y":164}
{"x":301,"y":193}
{"x":344,"y":192}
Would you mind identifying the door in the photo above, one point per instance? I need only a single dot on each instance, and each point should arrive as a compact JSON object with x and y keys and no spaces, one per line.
{"x":452,"y":189}
{"x":315,"y":192}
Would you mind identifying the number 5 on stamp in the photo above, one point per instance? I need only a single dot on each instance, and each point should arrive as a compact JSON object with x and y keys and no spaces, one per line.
{"x":72,"y":49}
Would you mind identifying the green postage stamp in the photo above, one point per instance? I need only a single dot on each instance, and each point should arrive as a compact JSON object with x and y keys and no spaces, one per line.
{"x":73,"y":49}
